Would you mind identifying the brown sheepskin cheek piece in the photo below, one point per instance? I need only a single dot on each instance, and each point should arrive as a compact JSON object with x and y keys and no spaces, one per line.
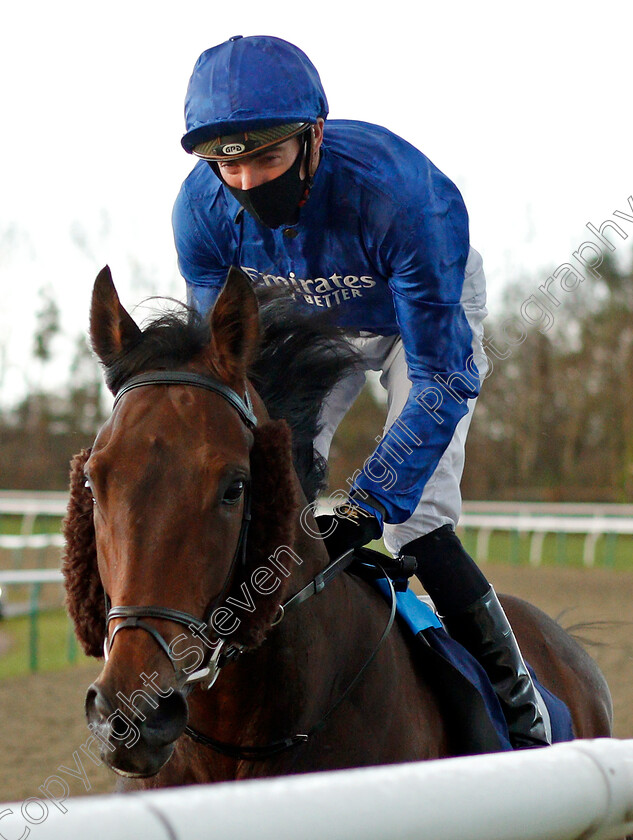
{"x":84,"y":593}
{"x":275,"y":504}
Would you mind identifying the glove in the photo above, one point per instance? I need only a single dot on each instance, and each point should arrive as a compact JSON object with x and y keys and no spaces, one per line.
{"x":349,"y":526}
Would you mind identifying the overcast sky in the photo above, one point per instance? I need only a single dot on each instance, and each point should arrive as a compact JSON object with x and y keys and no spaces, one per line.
{"x":525,"y":106}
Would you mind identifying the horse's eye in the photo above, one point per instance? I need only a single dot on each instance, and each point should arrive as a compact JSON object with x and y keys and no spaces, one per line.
{"x":88,"y":486}
{"x":233,"y":492}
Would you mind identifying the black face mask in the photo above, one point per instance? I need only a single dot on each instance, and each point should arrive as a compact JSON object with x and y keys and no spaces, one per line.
{"x":276,"y":202}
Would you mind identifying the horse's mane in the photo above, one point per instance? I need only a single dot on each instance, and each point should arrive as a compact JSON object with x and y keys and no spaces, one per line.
{"x":300,"y":359}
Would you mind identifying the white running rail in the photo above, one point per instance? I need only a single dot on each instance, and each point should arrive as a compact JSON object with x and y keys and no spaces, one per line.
{"x":28,"y":576}
{"x":582,"y":789}
{"x":537,"y":519}
{"x":31,"y":504}
{"x":538,"y":526}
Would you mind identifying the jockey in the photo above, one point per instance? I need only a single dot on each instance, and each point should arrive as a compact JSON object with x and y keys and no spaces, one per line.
{"x":352,"y":218}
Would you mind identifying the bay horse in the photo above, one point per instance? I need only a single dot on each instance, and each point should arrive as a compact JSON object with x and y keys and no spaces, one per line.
{"x":192,"y":559}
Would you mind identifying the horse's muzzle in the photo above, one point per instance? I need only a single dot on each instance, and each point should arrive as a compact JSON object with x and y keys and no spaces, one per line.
{"x":136,"y":735}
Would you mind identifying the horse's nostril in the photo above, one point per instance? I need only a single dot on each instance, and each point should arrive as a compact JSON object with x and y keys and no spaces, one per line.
{"x":97,"y":705}
{"x":94,"y":703}
{"x":168,"y":720}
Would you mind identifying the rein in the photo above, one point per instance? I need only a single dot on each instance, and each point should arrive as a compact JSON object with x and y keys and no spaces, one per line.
{"x":215,"y":660}
{"x":260,"y":753}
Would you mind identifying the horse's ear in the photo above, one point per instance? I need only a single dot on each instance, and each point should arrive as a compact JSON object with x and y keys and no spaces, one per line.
{"x":112,"y":330}
{"x":234,"y":327}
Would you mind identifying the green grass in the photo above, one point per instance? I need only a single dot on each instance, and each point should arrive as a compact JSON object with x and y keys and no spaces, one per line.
{"x":611,"y":551}
{"x":55,"y":645}
{"x":31,"y":558}
{"x":12,"y":524}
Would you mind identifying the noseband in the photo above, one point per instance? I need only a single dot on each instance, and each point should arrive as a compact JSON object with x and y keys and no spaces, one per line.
{"x":133,"y":616}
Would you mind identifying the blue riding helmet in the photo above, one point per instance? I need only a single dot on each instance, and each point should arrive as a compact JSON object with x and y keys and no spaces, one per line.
{"x":250,"y":83}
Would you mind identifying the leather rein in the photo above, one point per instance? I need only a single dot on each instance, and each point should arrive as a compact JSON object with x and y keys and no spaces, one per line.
{"x":216,"y":658}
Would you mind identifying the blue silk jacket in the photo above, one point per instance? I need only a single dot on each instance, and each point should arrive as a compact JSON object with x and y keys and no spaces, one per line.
{"x":383,"y":242}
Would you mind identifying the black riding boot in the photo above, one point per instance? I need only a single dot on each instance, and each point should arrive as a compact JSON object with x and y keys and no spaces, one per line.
{"x":474,"y":617}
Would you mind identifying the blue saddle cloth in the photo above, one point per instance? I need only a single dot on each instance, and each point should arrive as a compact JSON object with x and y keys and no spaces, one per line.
{"x":463,"y":684}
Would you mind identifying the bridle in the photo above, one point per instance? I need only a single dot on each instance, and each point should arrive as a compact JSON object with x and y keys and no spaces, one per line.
{"x":220,"y":653}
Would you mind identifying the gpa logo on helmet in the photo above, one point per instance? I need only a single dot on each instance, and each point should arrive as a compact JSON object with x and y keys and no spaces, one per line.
{"x":233,"y":149}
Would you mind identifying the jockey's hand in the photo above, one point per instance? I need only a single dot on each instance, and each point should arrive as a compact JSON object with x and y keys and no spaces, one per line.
{"x":349,"y":526}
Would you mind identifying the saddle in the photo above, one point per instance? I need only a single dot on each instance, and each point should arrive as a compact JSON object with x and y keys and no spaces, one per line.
{"x":476,"y":721}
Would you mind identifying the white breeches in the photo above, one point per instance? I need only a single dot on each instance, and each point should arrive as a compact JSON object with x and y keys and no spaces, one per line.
{"x":441,"y":500}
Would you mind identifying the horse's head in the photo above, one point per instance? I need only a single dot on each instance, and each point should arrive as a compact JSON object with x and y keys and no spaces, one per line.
{"x":157,"y":528}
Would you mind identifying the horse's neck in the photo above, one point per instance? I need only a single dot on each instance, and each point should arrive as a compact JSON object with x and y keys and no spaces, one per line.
{"x":285,"y":687}
{"x":290,"y":683}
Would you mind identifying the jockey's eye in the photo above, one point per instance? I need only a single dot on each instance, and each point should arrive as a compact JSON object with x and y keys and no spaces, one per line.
{"x":233,"y":492}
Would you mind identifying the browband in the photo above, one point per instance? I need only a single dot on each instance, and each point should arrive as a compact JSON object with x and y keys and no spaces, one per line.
{"x":244,"y":407}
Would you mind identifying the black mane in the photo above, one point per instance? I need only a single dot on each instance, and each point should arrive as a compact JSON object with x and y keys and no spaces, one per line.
{"x":301,"y":357}
{"x":300,"y":360}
